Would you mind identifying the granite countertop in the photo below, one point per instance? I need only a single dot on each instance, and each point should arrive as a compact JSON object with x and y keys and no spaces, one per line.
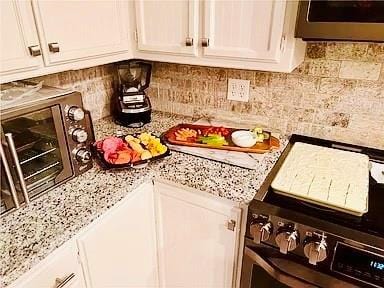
{"x":29,"y":234}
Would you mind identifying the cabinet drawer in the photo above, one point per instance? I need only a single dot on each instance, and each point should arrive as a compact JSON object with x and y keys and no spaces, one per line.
{"x":61,"y":269}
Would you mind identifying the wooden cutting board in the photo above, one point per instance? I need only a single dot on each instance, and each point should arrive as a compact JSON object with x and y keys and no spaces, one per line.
{"x":260,"y":147}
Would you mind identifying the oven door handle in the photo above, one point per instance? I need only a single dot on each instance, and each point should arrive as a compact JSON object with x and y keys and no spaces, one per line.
{"x":275,"y":272}
{"x":19,"y":171}
{"x":9,"y":177}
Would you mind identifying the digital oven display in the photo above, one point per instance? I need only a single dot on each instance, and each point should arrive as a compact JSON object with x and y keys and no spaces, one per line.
{"x":377,"y":265}
{"x":361,"y":265}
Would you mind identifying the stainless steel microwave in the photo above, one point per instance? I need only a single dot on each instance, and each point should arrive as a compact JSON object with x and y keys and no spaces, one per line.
{"x":45,"y":138}
{"x":361,"y":20}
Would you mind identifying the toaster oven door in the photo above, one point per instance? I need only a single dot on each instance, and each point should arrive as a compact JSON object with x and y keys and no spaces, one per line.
{"x":35,"y":150}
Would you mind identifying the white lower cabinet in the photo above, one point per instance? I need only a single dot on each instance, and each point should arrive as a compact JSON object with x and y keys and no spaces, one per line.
{"x":199,"y":238}
{"x":61,"y":269}
{"x":157,"y":236}
{"x":120,"y":249}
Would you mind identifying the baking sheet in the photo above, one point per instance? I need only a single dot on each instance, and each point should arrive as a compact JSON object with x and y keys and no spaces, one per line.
{"x":325,"y":176}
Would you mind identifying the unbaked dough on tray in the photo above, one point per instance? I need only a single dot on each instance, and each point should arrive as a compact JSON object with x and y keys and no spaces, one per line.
{"x":325,"y":176}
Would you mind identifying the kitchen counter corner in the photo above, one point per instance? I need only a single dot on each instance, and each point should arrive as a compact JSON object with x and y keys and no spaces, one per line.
{"x":31,"y":233}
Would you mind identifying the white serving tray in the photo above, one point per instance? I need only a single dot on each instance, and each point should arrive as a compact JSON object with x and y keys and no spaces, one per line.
{"x":325,"y":176}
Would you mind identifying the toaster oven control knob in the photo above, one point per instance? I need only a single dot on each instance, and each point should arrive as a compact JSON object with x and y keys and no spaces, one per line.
{"x":79,"y":135}
{"x":261,"y":230}
{"x":315,"y":248}
{"x":83,"y":155}
{"x":76,"y":113}
{"x":287,"y":239}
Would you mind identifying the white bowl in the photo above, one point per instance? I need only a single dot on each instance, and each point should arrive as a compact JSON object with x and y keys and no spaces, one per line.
{"x":244,"y":138}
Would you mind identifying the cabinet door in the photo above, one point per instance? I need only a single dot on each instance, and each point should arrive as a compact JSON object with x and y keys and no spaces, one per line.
{"x":165,"y":26}
{"x":18,"y":33}
{"x":120,"y":250}
{"x":244,"y":29}
{"x":81,"y":29}
{"x":196,"y":246}
{"x":60,"y":267}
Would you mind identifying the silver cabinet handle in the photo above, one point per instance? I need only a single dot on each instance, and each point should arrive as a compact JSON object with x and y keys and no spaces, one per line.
{"x":34,"y":50}
{"x":231,"y":224}
{"x":62,"y":282}
{"x":9,"y":177}
{"x":54,"y":47}
{"x":189,"y":41}
{"x":20,"y":175}
{"x":205,"y":42}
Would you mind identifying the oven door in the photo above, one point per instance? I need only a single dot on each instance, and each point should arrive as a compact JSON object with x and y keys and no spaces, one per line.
{"x":35,"y":150}
{"x":341,"y":20}
{"x":265,"y":267}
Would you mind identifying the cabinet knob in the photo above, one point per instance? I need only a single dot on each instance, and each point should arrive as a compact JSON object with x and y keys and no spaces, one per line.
{"x":62,"y":282}
{"x":189,"y":41}
{"x":231,"y":224}
{"x":54,"y":47}
{"x":34,"y":50}
{"x":205,"y":42}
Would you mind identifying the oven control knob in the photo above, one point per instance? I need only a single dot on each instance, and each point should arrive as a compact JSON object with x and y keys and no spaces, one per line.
{"x":79,"y":135}
{"x":287,"y":239}
{"x":76,"y":113}
{"x":315,"y":248}
{"x":261,"y":230}
{"x":83,"y":155}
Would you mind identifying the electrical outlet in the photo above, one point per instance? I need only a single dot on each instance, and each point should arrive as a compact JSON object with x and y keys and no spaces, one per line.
{"x":238,"y":90}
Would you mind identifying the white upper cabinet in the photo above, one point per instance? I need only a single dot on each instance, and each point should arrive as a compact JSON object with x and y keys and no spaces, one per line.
{"x":77,"y":30}
{"x":167,"y":26}
{"x":245,"y":34}
{"x":249,"y":30}
{"x":19,"y":44}
{"x":120,"y":249}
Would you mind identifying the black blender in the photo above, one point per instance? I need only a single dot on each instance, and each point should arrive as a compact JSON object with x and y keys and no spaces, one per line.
{"x":130,"y":105}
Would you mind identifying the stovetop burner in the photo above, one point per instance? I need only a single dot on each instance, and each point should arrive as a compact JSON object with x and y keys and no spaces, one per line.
{"x":371,"y":222}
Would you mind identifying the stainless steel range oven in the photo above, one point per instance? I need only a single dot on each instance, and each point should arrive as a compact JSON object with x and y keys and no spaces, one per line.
{"x":45,"y":138}
{"x":264,"y":267}
{"x":361,"y":20}
{"x":293,"y":243}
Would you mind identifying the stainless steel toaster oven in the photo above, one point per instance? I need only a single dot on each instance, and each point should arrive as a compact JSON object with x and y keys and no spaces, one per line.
{"x":45,"y":138}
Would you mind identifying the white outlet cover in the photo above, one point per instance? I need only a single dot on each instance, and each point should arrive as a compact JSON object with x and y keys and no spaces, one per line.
{"x":238,"y":90}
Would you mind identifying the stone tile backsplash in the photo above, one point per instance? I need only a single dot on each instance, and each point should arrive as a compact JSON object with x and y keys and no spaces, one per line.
{"x":96,"y":85}
{"x":336,"y":93}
